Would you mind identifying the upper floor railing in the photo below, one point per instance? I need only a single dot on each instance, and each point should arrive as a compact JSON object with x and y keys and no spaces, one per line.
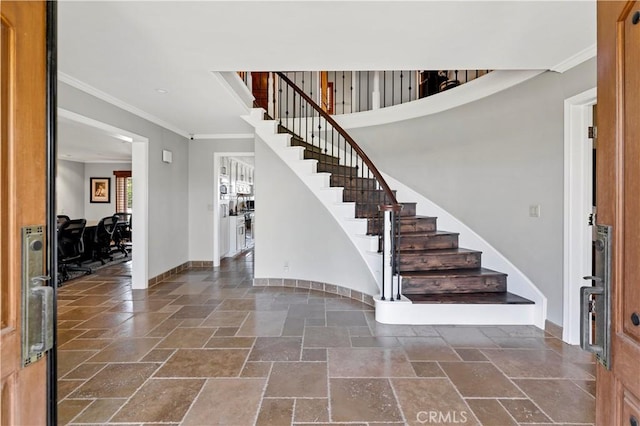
{"x":345,"y":92}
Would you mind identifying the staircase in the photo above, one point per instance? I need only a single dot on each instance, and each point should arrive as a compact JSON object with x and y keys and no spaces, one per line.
{"x":433,"y":267}
{"x":425,"y":277}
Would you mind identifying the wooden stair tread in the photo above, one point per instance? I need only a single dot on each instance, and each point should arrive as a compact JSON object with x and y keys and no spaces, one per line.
{"x":427,"y":234}
{"x":438,"y":252}
{"x":504,"y":298}
{"x":454,"y":273}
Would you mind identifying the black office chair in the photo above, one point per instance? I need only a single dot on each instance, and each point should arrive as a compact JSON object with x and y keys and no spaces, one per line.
{"x":71,"y":248}
{"x":122,"y":234}
{"x":103,"y":237}
{"x":60,"y":219}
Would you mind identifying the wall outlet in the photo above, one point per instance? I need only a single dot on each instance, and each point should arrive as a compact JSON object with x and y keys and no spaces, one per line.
{"x":286,"y":266}
{"x":534,"y":210}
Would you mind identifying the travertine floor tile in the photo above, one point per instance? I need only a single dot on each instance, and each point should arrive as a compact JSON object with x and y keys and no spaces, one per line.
{"x":311,"y":410}
{"x":524,"y":411}
{"x":490,"y":412}
{"x":435,"y":400}
{"x":204,"y":363}
{"x":276,"y":349}
{"x":160,"y":400}
{"x":227,"y":402}
{"x":369,"y":362}
{"x":370,"y":400}
{"x":480,"y":380}
{"x":205,"y":347}
{"x":275,"y":412}
{"x":552,"y":396}
{"x":116,"y":381}
{"x":297,"y":380}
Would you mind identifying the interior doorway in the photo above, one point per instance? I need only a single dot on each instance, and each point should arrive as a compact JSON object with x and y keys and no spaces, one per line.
{"x":140,"y":183}
{"x":579,"y":180}
{"x":233,"y":204}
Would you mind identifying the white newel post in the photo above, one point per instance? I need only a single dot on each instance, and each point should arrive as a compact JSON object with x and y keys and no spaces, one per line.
{"x":387,"y":292}
{"x":375,"y":95}
{"x":249,"y":81}
{"x":270,"y":93}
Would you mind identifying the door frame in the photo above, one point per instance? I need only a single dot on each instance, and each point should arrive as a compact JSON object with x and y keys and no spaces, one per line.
{"x":578,"y":182}
{"x":139,"y":169}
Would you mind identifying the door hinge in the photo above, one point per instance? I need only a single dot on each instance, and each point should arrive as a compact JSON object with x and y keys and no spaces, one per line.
{"x":593,"y":132}
{"x":592,"y":219}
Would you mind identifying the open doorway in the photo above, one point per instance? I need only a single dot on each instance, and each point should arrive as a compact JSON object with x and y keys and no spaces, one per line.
{"x":234,"y":207}
{"x":113,"y":148}
{"x":579,"y":202}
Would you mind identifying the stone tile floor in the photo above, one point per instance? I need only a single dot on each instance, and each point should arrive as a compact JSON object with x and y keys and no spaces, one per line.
{"x":205,"y":347}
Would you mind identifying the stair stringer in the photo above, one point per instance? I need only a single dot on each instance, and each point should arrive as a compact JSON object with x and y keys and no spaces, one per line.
{"x":318,"y":184}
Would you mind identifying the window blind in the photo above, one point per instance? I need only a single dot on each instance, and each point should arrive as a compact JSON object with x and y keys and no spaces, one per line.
{"x":122,"y":176}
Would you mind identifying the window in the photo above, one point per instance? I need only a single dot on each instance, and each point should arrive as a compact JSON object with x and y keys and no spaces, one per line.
{"x":124,"y":191}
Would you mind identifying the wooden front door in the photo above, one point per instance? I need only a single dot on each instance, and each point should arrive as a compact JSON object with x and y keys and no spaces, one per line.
{"x":618,"y":192}
{"x":260,"y":88}
{"x":22,"y":196}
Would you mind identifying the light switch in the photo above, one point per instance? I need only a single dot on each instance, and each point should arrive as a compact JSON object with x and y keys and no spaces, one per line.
{"x":534,"y":210}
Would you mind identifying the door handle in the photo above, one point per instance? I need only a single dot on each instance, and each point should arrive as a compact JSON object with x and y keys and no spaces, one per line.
{"x":585,"y":319}
{"x":46,"y":327}
{"x":595,"y":301}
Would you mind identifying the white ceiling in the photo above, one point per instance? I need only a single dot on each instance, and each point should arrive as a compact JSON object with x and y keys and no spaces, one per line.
{"x":83,"y":143}
{"x":130,"y":49}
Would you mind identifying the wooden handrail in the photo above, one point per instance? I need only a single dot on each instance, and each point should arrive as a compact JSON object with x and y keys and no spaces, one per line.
{"x":385,"y":187}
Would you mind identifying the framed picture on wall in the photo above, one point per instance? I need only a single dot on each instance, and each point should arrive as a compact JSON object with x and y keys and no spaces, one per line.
{"x":100,"y":189}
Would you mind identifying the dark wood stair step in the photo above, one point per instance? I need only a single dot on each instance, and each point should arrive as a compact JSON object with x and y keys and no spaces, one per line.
{"x":503,"y":298}
{"x":430,"y":260}
{"x":337,"y":169}
{"x":353,"y":182}
{"x":322,"y":158}
{"x":428,"y":240}
{"x":297,"y":141}
{"x":370,"y":210}
{"x":478,"y":280}
{"x":418,"y":224}
{"x":407,"y":224}
{"x":375,"y":196}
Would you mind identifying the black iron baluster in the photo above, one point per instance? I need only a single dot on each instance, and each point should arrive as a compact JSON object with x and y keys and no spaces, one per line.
{"x":393,"y":250}
{"x":393,"y":87}
{"x":286,"y":111}
{"x":280,"y":100}
{"x":368,"y":91}
{"x":401,"y":83}
{"x":351,"y":91}
{"x":410,"y":82}
{"x":384,"y":89}
{"x":343,"y":111}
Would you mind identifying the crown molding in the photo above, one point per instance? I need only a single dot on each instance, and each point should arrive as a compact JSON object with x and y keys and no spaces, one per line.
{"x":223,"y":136}
{"x":577,"y":59}
{"x":80,"y":85}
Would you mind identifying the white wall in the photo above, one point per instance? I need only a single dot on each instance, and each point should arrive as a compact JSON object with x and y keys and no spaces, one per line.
{"x":70,"y":189}
{"x":96,"y":211}
{"x":168,"y":188}
{"x":487,"y":162}
{"x":201,"y":190}
{"x":292,"y":226}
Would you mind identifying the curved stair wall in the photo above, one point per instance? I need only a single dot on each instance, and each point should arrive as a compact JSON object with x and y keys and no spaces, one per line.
{"x":293,"y":225}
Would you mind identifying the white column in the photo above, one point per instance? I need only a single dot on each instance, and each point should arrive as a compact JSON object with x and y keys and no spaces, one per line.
{"x":375,"y":95}
{"x":249,"y":81}
{"x":386,"y":257}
